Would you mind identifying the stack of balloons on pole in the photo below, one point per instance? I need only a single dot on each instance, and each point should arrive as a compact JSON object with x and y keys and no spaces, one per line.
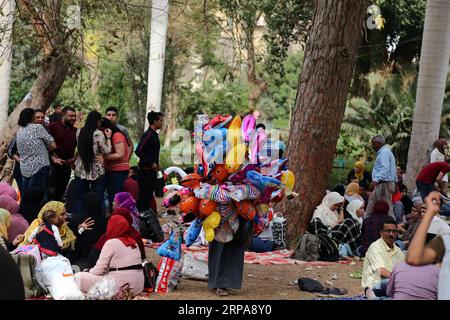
{"x":237,"y":174}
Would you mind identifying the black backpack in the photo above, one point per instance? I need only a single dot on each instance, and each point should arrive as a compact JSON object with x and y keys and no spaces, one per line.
{"x":150,"y":226}
{"x":328,"y":249}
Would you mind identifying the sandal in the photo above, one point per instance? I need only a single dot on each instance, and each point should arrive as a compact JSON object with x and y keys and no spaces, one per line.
{"x":221,"y":292}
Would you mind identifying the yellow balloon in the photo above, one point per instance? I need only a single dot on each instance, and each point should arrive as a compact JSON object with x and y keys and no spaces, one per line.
{"x":210,"y":223}
{"x":236,"y":152}
{"x":288,"y":179}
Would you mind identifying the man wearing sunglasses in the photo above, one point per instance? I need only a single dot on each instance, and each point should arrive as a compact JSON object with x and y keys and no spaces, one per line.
{"x":380,"y":259}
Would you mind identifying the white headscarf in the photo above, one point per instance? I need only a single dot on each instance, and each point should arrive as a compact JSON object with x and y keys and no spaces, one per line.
{"x":353,"y":206}
{"x":328,"y":217}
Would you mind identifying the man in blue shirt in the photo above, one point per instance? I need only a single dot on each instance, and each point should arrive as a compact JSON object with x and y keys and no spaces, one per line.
{"x":383,"y":176}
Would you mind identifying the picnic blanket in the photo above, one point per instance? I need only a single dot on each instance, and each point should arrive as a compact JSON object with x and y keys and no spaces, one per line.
{"x":277,"y":257}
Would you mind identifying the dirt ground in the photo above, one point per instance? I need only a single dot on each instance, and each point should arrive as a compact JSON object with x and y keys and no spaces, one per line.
{"x":265,"y":282}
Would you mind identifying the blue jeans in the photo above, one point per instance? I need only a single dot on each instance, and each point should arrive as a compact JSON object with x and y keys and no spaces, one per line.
{"x":114,"y":184}
{"x":83,"y":186}
{"x":380,"y":289}
{"x":260,"y":245}
{"x":39,"y":179}
{"x":345,"y":250}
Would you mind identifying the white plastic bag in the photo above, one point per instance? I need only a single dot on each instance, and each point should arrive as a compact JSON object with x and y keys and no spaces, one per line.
{"x":57,"y":276}
{"x":194,"y":269}
{"x":104,"y":289}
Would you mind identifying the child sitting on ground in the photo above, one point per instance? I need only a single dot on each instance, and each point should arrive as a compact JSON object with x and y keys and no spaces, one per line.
{"x":46,"y":236}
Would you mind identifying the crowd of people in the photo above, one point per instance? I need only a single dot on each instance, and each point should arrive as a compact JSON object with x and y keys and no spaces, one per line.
{"x":400,"y":236}
{"x":77,"y":195}
{"x":79,"y":198}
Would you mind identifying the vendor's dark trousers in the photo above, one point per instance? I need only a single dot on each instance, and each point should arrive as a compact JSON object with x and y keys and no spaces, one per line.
{"x":424,"y":189}
{"x":147,"y":184}
{"x":114,"y":184}
{"x":58,"y":179}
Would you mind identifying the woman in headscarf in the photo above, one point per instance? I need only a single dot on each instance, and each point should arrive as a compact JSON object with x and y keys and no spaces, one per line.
{"x":348,"y":233}
{"x":6,"y":242}
{"x":91,"y":210}
{"x":6,"y":189}
{"x":119,"y":259}
{"x":71,"y":199}
{"x":125,"y":200}
{"x":371,"y":226}
{"x":67,"y":236}
{"x":330,"y":211}
{"x":132,"y":232}
{"x":359,"y":175}
{"x":30,"y":203}
{"x":18,"y":223}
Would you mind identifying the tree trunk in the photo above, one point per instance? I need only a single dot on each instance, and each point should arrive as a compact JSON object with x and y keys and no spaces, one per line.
{"x":170,"y":117}
{"x":324,"y":83}
{"x":6,"y":24}
{"x":434,"y":59}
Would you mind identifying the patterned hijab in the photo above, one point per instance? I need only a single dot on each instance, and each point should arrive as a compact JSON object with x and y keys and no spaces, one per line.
{"x":67,"y":236}
{"x":125,"y":200}
{"x":5,"y":220}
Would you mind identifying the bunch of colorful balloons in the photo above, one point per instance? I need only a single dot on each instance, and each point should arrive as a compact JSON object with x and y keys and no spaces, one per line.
{"x":232,"y":179}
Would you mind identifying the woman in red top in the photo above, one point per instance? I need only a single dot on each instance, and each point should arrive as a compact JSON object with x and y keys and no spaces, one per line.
{"x":116,"y":163}
{"x":430,"y":174}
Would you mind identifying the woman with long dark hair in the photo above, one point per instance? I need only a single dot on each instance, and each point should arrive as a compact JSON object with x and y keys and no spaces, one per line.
{"x":116,"y":163}
{"x":89,"y":171}
{"x":33,"y":145}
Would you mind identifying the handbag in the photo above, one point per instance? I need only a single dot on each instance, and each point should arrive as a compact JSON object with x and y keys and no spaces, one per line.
{"x":150,"y":276}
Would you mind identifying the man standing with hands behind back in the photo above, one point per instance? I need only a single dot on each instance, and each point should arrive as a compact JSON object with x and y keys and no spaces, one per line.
{"x":384,"y":176}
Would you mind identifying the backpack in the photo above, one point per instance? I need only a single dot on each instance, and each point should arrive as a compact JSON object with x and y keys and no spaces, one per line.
{"x":27,"y":264}
{"x":328,"y":249}
{"x":308,"y":248}
{"x":150,"y":276}
{"x":152,"y":226}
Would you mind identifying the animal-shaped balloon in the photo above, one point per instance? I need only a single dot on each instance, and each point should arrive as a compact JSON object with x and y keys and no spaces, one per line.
{"x":171,"y":200}
{"x":288,"y":179}
{"x":248,"y":127}
{"x":191,"y":181}
{"x":210,"y":223}
{"x":215,"y":142}
{"x":170,"y":170}
{"x":219,"y":172}
{"x":206,"y":207}
{"x":262,"y":182}
{"x":193,"y":231}
{"x":218,"y":121}
{"x":172,"y":187}
{"x":200,"y":152}
{"x":236,"y":152}
{"x":246,"y":210}
{"x":189,"y":204}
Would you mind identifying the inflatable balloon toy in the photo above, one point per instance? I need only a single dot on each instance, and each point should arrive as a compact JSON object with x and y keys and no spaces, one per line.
{"x":220,"y":173}
{"x":262,"y":182}
{"x":193,"y":231}
{"x":206,"y":207}
{"x":172,"y":187}
{"x":246,"y":210}
{"x":200,"y":152}
{"x":171,"y":200}
{"x":191,"y":180}
{"x":236,"y":147}
{"x":189,"y":204}
{"x":239,"y":175}
{"x":218,"y":121}
{"x":172,"y":247}
{"x":248,"y":127}
{"x":177,"y":170}
{"x":274,"y":168}
{"x":243,"y":192}
{"x":211,"y":223}
{"x":256,"y":144}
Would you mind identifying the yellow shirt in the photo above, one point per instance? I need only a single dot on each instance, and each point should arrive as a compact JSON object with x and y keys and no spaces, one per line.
{"x":379,"y":255}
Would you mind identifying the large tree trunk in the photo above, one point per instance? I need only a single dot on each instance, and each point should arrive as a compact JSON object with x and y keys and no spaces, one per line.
{"x":324,"y":83}
{"x":434,"y":59}
{"x":7,"y":8}
{"x":49,"y":33}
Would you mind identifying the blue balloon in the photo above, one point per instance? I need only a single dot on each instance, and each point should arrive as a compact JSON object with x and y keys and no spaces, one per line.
{"x":193,"y":231}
